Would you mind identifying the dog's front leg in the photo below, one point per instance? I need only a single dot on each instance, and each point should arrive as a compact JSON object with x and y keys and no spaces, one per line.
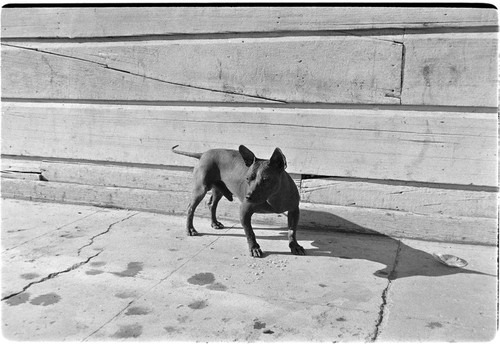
{"x":246,"y":212}
{"x":293,"y":221}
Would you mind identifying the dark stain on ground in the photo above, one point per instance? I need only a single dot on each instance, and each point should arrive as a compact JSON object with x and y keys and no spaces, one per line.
{"x":217,"y":286}
{"x":98,"y":264}
{"x":133,"y":268}
{"x":46,"y":299}
{"x":137,"y":311}
{"x":198,"y":304}
{"x":30,"y":276}
{"x":341,"y":319}
{"x":18,"y":299}
{"x":171,"y":329}
{"x":94,"y":272}
{"x":182,"y":319}
{"x":125,"y":294}
{"x":434,"y":324}
{"x":129,"y":331}
{"x":258,"y":325}
{"x":202,"y":278}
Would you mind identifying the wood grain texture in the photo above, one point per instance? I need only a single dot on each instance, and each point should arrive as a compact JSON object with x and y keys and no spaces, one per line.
{"x":457,"y":69}
{"x":31,"y":74}
{"x":436,"y":147}
{"x":325,"y":217}
{"x":137,"y":21}
{"x":418,"y":200}
{"x":337,"y":69}
{"x":149,"y":178}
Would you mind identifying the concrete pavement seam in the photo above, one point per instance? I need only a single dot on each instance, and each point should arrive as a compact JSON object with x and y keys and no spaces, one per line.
{"x":53,"y":275}
{"x":155,"y":285}
{"x":392,"y":276}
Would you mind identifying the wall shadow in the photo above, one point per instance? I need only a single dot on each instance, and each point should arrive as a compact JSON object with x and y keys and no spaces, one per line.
{"x":344,"y":239}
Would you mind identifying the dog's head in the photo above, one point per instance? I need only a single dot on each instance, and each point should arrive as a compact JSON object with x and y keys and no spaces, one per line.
{"x":263,"y":176}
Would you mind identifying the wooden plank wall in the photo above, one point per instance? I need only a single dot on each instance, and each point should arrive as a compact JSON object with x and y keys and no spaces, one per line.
{"x":387,"y":115}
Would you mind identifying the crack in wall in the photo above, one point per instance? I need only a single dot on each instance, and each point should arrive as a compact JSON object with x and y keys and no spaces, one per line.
{"x":105,"y":232}
{"x":53,"y":275}
{"x":391,"y":277}
{"x":105,"y":66}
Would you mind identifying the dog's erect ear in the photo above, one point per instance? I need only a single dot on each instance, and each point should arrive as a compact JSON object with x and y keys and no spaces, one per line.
{"x":247,"y":155}
{"x":278,"y":159}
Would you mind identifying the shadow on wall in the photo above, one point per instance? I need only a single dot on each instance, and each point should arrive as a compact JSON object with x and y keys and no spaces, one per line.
{"x":367,"y":245}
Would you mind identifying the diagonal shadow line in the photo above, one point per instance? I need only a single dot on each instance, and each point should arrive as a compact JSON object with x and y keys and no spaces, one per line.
{"x":347,"y":240}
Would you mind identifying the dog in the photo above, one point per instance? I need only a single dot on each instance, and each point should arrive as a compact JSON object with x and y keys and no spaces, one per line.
{"x":262,"y":186}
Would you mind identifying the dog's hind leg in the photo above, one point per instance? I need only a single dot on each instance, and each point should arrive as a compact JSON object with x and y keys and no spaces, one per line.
{"x":199,"y":192}
{"x":212,"y":205}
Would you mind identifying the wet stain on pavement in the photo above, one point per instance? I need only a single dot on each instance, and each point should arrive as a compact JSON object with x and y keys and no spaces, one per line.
{"x":171,"y":329}
{"x":30,"y":276}
{"x":434,"y":324}
{"x":182,"y":319}
{"x":129,"y":331}
{"x":198,"y":304}
{"x":202,"y":278}
{"x":125,"y":294}
{"x":133,"y":268}
{"x":137,"y":311}
{"x":97,"y":264}
{"x":258,"y":325}
{"x":217,"y":286}
{"x":94,"y":272}
{"x":46,"y":299}
{"x":18,"y":299}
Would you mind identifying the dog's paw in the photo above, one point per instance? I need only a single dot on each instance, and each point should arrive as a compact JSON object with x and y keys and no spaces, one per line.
{"x":217,"y":225}
{"x":256,"y":252}
{"x":297,"y":249}
{"x":192,"y":232}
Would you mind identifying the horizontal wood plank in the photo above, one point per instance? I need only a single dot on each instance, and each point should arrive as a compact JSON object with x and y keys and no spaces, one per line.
{"x":150,"y":178}
{"x":325,"y":217}
{"x":31,"y":74}
{"x":436,"y":147}
{"x":338,"y":69}
{"x":418,"y":200}
{"x":333,"y":191}
{"x":457,"y":69}
{"x":137,"y":21}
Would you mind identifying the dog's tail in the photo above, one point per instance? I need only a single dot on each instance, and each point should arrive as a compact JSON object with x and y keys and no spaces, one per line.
{"x":192,"y":155}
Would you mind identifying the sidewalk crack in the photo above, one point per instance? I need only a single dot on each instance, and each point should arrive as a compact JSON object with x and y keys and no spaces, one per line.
{"x":102,"y":233}
{"x":391,"y":277}
{"x":53,"y":275}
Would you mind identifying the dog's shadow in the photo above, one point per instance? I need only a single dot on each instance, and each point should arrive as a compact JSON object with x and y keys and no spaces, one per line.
{"x":338,"y":241}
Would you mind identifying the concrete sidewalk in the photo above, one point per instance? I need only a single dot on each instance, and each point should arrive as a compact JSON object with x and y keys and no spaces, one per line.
{"x":72,"y":272}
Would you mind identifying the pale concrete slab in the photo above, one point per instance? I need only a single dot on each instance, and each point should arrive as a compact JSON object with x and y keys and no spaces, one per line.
{"x":428,"y":301}
{"x":121,"y":275}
